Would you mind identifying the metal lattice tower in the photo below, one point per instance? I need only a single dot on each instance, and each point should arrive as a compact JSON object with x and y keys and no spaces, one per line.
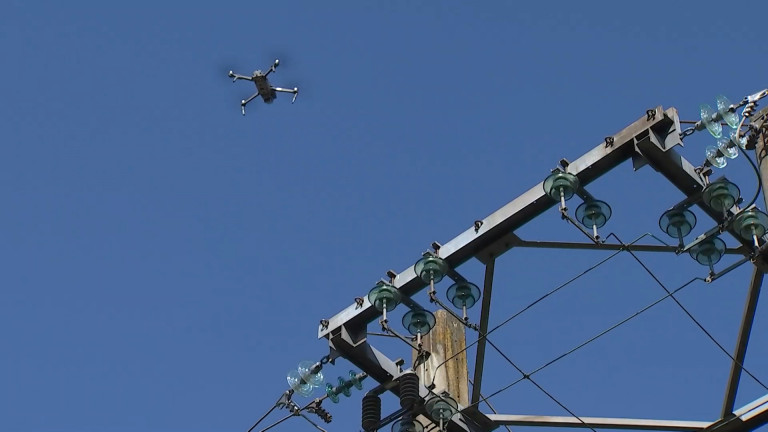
{"x":650,"y":140}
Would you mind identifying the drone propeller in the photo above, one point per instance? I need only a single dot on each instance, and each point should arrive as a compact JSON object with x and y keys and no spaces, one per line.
{"x":295,"y":93}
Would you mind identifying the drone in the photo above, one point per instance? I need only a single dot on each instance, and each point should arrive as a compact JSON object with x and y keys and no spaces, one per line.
{"x":264,"y":89}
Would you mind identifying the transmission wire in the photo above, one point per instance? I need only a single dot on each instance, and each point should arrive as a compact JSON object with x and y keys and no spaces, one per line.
{"x":690,"y":315}
{"x":609,"y":329}
{"x":556,"y":289}
{"x":594,"y":338}
{"x":528,"y":377}
{"x":482,"y":398}
{"x":267,"y":413}
{"x":757,"y":173}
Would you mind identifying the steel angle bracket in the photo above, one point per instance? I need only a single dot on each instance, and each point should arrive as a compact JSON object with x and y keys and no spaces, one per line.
{"x":354,"y":347}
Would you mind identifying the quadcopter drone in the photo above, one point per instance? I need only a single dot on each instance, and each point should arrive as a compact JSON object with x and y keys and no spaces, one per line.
{"x":264,"y":89}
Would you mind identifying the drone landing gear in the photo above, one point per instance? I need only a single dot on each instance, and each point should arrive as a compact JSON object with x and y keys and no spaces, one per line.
{"x":294,"y":90}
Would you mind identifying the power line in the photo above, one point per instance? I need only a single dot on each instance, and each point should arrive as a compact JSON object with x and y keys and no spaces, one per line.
{"x":482,"y":398}
{"x":528,"y":377}
{"x":554,"y":290}
{"x":690,"y":315}
{"x":277,"y":404}
{"x":757,"y":173}
{"x":592,"y":339}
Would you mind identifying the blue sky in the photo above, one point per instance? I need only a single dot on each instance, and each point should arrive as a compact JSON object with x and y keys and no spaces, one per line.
{"x":166,"y":260}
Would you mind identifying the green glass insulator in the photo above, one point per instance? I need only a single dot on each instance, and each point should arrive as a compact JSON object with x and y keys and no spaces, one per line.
{"x":419,"y":321}
{"x":677,"y":223}
{"x":332,"y":395}
{"x":721,"y":195}
{"x":463,"y":294}
{"x":561,"y":181}
{"x":441,"y":408}
{"x":708,"y":252}
{"x":384,"y":295}
{"x":751,"y":223}
{"x":593,"y":213}
{"x":355,"y":380}
{"x":344,"y":386}
{"x":431,"y":268}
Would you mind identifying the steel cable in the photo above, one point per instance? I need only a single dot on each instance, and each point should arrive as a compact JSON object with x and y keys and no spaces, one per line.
{"x":594,"y":338}
{"x":535,"y":302}
{"x":689,"y":314}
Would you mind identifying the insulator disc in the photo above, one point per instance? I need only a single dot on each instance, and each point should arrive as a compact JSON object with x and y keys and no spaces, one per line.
{"x":463,"y":294}
{"x":557,"y":182}
{"x":431,"y":268}
{"x":332,"y":395}
{"x":298,"y":385}
{"x":721,"y":195}
{"x":407,"y":424}
{"x":708,"y":252}
{"x":714,"y":127}
{"x":355,"y":380}
{"x":751,"y":223}
{"x":729,"y":117}
{"x":715,"y":157}
{"x":305,"y":370}
{"x":677,"y":223}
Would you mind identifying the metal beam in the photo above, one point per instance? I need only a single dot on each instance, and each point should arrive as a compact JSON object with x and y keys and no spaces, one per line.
{"x":354,"y":347}
{"x":754,"y":411}
{"x":651,"y":139}
{"x":346,"y":331}
{"x":521,"y":210}
{"x":597,"y":423}
{"x":655,"y":149}
{"x":741,"y":343}
{"x":485,"y":313}
{"x":747,"y":418}
{"x":609,"y":246}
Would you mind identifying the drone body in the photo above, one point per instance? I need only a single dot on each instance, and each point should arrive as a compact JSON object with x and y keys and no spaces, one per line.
{"x":264,"y":89}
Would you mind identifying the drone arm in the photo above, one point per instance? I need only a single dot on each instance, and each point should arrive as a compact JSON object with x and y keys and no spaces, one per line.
{"x":273,"y":67}
{"x":236,"y":77}
{"x":244,"y":102}
{"x":294,"y":90}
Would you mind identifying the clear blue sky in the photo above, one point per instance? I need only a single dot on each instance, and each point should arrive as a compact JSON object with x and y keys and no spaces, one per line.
{"x":166,"y":260}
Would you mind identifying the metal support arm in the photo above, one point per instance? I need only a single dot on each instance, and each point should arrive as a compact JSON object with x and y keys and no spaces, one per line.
{"x":489,"y":238}
{"x":598,"y":423}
